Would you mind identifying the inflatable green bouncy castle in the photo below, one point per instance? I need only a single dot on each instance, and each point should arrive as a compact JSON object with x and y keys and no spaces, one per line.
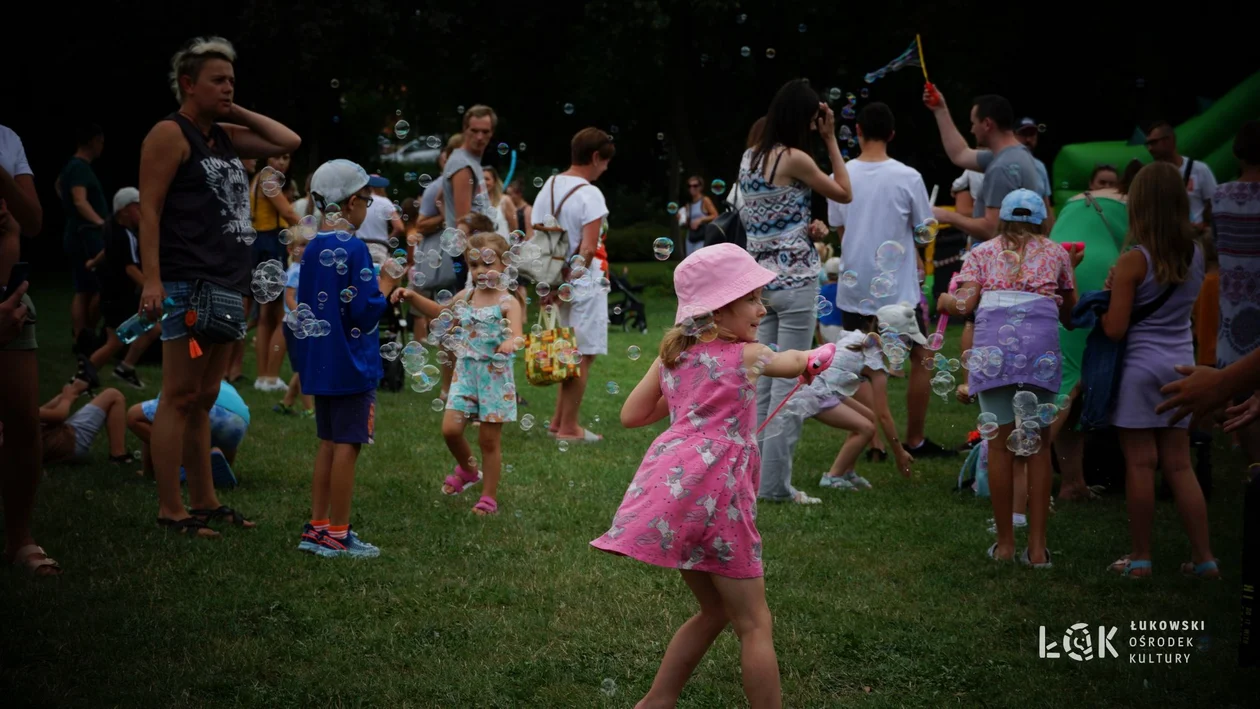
{"x":1208,"y":136}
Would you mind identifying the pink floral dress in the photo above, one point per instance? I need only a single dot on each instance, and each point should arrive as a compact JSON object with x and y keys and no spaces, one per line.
{"x":693,"y":502}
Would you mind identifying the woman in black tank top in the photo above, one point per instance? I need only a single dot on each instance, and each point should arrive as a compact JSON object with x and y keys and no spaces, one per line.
{"x":195,"y":226}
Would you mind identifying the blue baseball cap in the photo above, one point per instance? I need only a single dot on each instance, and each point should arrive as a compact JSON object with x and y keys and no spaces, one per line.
{"x":377,"y":181}
{"x":1017,"y":202}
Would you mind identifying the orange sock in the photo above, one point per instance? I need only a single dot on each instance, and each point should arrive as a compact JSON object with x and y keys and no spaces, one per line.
{"x":338,"y":531}
{"x":320,"y":525}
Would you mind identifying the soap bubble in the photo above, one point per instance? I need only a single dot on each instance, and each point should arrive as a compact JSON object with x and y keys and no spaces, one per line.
{"x":401,"y":129}
{"x":504,"y":149}
{"x":849,"y":279}
{"x":433,"y":142}
{"x":834,"y":94}
{"x":847,"y":113}
{"x":935,"y":341}
{"x":542,"y":289}
{"x":1024,"y":403}
{"x":770,"y":53}
{"x":346,"y":295}
{"x":662,"y":248}
{"x":538,"y":182}
{"x":987,"y":425}
{"x":459,"y":109}
{"x":390,"y":350}
{"x":865,"y":92}
{"x":335,"y":84}
{"x":1010,"y":262}
{"x":565,"y":292}
{"x":926,"y":231}
{"x":326,"y":257}
{"x":1046,"y":414}
{"x":568,"y":109}
{"x":1041,"y":127}
{"x":672,"y":208}
{"x":745,"y":52}
{"x":613,"y":387}
{"x":633,"y":352}
{"x":823,"y":307}
{"x":366,"y":274}
{"x":942,"y":384}
{"x":268,"y":281}
{"x":718,"y":187}
{"x":1045,"y":367}
{"x":521,"y":147}
{"x":882,"y":286}
{"x":889,"y":256}
{"x":355,"y":332}
{"x":866,"y":306}
{"x":437,"y":405}
{"x":527,"y":422}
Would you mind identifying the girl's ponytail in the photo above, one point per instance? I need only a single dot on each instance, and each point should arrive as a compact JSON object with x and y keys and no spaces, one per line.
{"x":673,"y":344}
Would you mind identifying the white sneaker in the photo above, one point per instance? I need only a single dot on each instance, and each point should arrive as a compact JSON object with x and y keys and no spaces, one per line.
{"x":1018,"y":521}
{"x":261,"y":384}
{"x":836,"y":482}
{"x":278,"y":385}
{"x":857,"y":481}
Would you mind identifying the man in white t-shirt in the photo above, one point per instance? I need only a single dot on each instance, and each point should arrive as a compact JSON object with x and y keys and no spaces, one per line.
{"x":1161,"y":143}
{"x":889,"y":199}
{"x":582,"y":217}
{"x":382,"y":221}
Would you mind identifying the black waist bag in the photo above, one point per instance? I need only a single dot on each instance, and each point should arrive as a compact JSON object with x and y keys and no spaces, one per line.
{"x":216,"y":315}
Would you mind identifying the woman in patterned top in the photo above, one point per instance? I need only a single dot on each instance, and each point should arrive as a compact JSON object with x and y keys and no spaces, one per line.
{"x":777,"y":180}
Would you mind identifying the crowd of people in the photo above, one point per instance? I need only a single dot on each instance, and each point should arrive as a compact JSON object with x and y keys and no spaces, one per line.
{"x":787,"y":333}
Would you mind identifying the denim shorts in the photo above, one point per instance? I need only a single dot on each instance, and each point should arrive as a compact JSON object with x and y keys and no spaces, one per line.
{"x":173,"y":325}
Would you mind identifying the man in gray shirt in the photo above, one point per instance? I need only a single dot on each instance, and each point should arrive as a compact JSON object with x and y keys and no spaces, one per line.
{"x":1006,"y":163}
{"x":463,"y":181}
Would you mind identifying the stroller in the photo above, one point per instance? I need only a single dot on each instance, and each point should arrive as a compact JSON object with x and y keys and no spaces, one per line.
{"x":625,"y":308}
{"x":394,"y":327}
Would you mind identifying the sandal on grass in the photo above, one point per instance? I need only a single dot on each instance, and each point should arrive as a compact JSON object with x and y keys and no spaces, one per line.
{"x":460,"y":480}
{"x":486,"y":506}
{"x":225,"y":513}
{"x":188,"y":526}
{"x":1206,"y":570}
{"x":1026,"y":560}
{"x":588,"y":436}
{"x":992,"y":554}
{"x":124,"y":459}
{"x":1131,"y":568}
{"x":42,"y":566}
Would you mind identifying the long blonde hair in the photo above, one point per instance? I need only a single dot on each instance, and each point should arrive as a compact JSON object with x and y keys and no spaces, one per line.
{"x":494,"y":187}
{"x":1159,"y":221}
{"x":1016,"y":235}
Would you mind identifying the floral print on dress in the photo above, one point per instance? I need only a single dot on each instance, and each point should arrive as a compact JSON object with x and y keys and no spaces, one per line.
{"x":1045,"y":268}
{"x":483,"y":386}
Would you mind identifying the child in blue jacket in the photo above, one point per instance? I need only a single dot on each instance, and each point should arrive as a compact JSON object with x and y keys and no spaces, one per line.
{"x":341,"y":362}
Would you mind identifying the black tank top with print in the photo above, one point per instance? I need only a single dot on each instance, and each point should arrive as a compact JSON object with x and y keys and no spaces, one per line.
{"x":206,"y":230}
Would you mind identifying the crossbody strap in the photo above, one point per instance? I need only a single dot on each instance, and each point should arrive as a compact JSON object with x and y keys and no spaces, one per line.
{"x":1098,"y":208}
{"x":1189,"y":166}
{"x":1149,"y":309}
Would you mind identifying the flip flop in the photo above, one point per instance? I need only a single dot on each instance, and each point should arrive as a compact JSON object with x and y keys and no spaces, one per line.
{"x":23,"y":559}
{"x":588,"y":436}
{"x":486,"y":506}
{"x":992,"y":554}
{"x":1026,"y":561}
{"x":1128,"y":567}
{"x":1206,"y":570}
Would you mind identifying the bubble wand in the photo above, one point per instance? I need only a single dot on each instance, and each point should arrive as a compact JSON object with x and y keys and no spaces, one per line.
{"x":819,"y":360}
{"x":511,"y":171}
{"x":935,"y":100}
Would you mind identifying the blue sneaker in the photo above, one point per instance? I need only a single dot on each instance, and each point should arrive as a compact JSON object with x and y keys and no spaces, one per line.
{"x":221,"y":471}
{"x":310,"y":539}
{"x":350,"y":546}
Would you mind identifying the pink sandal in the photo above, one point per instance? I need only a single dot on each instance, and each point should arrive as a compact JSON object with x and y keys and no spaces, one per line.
{"x":486,"y":506}
{"x":460,"y":479}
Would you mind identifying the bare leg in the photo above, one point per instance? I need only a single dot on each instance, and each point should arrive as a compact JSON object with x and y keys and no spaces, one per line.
{"x":419,"y":327}
{"x":745,"y":604}
{"x":321,"y":481}
{"x":270,"y":355}
{"x":201,"y":494}
{"x":453,"y":433}
{"x":569,"y":402}
{"x":1019,"y":486}
{"x":1001,"y":491}
{"x":491,"y":457}
{"x":140,"y":346}
{"x":344,"y":457}
{"x":1140,"y":459}
{"x":691,"y":641}
{"x":181,"y":391}
{"x":141,"y":428}
{"x":78,"y":314}
{"x":23,"y":452}
{"x":866,"y":397}
{"x":106,"y":352}
{"x":1040,"y":477}
{"x":93,"y":311}
{"x":918,"y":394}
{"x":295,"y":387}
{"x":861,"y":427}
{"x":1174,"y":453}
{"x":111,"y":401}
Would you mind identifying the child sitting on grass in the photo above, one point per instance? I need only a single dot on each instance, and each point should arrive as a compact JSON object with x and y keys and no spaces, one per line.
{"x":341,"y":365}
{"x":69,"y":437}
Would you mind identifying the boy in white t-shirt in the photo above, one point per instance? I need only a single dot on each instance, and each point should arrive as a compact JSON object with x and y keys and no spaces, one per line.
{"x":582,"y":217}
{"x":880,"y":257}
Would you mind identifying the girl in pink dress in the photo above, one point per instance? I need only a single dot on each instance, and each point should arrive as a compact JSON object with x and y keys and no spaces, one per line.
{"x":692,"y":504}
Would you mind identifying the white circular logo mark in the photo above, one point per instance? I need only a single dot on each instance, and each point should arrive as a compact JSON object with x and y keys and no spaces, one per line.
{"x":1078,"y":643}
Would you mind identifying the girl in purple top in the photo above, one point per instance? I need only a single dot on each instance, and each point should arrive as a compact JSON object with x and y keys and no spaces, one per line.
{"x":1166,"y":256}
{"x":1021,"y":286}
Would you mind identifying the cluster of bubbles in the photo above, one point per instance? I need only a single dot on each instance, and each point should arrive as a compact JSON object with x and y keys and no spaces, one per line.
{"x":584,"y":282}
{"x":304,"y":323}
{"x":943,"y":381}
{"x":1030,"y":418}
{"x":889,"y":257}
{"x":415,"y":361}
{"x":269,"y":281}
{"x":270,"y":181}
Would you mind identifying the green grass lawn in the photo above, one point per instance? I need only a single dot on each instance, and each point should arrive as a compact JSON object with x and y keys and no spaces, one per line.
{"x":881,"y":598}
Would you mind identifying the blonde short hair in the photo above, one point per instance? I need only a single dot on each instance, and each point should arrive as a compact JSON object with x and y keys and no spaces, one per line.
{"x":188,"y":60}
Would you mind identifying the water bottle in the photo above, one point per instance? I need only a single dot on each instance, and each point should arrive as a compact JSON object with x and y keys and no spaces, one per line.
{"x":138,"y":324}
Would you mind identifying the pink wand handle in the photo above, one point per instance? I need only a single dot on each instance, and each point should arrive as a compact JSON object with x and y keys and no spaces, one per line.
{"x":941,"y":322}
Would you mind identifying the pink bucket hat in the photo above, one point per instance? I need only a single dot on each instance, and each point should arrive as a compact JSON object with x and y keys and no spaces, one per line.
{"x":715,"y":276}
